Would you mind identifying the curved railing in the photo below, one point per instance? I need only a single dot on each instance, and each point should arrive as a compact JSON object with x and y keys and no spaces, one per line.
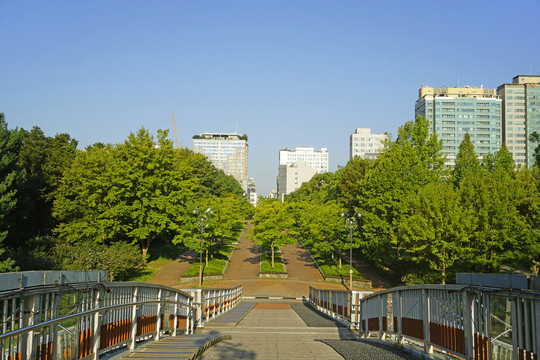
{"x":466,"y":321}
{"x":74,"y":316}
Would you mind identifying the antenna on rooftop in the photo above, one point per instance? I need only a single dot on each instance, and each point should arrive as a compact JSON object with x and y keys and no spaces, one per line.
{"x":236,"y":130}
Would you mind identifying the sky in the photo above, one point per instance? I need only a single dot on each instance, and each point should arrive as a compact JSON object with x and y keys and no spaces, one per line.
{"x":287,"y":73}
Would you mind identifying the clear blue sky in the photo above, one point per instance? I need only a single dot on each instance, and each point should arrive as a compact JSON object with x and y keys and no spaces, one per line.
{"x":287,"y":73}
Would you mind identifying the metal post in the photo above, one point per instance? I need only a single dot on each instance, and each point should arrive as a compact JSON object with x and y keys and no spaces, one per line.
{"x":175,"y":319}
{"x":399,"y":324}
{"x":200,"y":258}
{"x":97,"y":327}
{"x":350,"y":224}
{"x":203,"y":219}
{"x":426,"y":305}
{"x":468,"y":318}
{"x":158,"y":320}
{"x":350,"y":260}
{"x":132,"y":341}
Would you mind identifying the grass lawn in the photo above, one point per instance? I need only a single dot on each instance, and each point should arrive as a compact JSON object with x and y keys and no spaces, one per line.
{"x":159,"y":255}
{"x":215,"y":265}
{"x":330,"y":267}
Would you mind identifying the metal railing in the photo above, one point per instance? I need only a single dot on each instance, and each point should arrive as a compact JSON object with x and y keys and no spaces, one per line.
{"x":76,"y":315}
{"x":210,"y":303}
{"x":466,"y":321}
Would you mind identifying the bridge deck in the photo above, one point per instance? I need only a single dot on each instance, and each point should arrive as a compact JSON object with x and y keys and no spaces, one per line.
{"x":178,"y":348}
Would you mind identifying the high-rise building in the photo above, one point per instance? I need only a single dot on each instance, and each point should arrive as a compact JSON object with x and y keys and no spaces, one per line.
{"x":299,"y":166}
{"x":366,"y":145}
{"x":521,"y":116}
{"x":453,"y":112}
{"x":227,"y":151}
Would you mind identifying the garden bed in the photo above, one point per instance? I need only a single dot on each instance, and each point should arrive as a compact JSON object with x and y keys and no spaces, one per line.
{"x":330,"y":270}
{"x":215,"y":269}
{"x":267,"y":271}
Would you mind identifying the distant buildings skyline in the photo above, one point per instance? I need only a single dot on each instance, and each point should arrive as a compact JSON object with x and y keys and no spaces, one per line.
{"x":492,"y":117}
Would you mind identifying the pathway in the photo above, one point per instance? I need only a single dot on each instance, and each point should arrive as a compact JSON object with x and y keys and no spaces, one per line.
{"x":243,"y":269}
{"x":273,"y":331}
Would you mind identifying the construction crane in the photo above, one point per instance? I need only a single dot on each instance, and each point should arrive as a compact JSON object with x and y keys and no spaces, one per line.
{"x":175,"y":135}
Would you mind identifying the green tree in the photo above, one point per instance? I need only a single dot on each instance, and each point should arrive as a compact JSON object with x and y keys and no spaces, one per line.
{"x":466,"y":160}
{"x":11,"y":177}
{"x":534,"y":137}
{"x":321,"y":226}
{"x":272,"y":225}
{"x":320,"y":188}
{"x":44,"y":159}
{"x":226,"y":221}
{"x":503,"y":161}
{"x":211,"y":180}
{"x":413,"y":160}
{"x":437,"y":230}
{"x":135,"y":192}
{"x":89,"y":204}
{"x":155,"y":187}
{"x":349,"y":179}
{"x":499,"y":227}
{"x":118,"y":259}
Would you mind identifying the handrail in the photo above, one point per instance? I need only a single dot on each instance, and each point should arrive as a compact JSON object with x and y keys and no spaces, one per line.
{"x":76,"y":320}
{"x":453,"y":319}
{"x":84,"y":313}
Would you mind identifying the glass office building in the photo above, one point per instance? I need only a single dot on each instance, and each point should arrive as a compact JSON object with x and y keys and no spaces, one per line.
{"x":453,"y":112}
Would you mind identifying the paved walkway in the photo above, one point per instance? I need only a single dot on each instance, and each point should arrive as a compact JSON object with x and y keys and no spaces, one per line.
{"x":243,"y":269}
{"x":244,"y":262}
{"x":273,"y":331}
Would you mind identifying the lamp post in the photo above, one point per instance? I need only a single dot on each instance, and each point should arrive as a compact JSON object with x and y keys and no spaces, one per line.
{"x":350,"y":224}
{"x":203,"y":220}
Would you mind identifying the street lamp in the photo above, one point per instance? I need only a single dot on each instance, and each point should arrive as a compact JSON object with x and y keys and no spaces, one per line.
{"x":203,"y":219}
{"x":350,"y":224}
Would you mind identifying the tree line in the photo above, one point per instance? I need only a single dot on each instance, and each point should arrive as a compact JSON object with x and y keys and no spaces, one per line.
{"x":421,"y":222}
{"x":103,"y":207}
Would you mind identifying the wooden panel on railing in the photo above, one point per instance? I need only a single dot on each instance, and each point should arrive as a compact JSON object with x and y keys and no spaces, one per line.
{"x":413,"y":328}
{"x":526,"y":355}
{"x":146,"y":324}
{"x":373,"y":324}
{"x":181,"y":322}
{"x":481,"y":345}
{"x":448,"y":337}
{"x":85,"y":343}
{"x":114,"y":333}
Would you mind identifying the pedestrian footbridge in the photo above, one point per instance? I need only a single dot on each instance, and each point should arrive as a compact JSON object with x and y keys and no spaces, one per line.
{"x":79,"y":315}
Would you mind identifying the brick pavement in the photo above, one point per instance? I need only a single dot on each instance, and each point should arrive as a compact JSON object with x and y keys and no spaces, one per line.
{"x":243,"y":269}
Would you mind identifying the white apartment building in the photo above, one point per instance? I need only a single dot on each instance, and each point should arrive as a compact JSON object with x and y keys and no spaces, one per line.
{"x":366,"y":145}
{"x":299,"y":166}
{"x":317,"y":160}
{"x":252,"y":191}
{"x":227,"y":151}
{"x":291,"y":177}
